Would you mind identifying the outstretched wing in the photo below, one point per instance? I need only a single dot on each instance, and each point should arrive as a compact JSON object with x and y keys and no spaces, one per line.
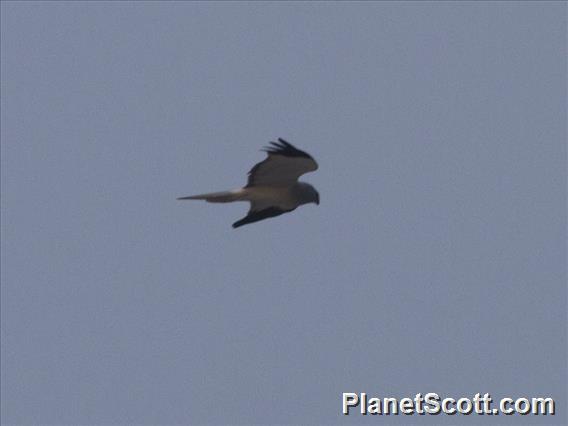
{"x":283,"y":166}
{"x":256,"y":215}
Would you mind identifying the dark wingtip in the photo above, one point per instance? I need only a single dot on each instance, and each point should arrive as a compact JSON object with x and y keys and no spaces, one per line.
{"x":283,"y":147}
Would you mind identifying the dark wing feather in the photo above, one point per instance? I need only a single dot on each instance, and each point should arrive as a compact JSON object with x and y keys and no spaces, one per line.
{"x":255,"y":216}
{"x":283,"y":166}
{"x":286,"y":149}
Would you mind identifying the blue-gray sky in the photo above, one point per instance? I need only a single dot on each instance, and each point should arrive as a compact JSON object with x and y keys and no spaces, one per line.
{"x":436,"y":261}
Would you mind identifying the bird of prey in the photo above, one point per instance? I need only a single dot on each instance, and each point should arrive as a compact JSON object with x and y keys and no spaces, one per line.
{"x":273,"y":187}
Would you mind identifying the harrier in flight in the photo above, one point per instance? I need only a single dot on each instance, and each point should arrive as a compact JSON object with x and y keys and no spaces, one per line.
{"x":273,"y":187}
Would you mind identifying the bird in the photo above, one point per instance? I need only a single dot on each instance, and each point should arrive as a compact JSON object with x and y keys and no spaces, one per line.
{"x":272,"y":188}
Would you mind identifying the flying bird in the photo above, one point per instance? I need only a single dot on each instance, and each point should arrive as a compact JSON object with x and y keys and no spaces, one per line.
{"x":273,"y":187}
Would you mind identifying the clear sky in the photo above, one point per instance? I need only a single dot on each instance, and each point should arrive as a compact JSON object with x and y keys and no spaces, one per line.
{"x":436,"y":261}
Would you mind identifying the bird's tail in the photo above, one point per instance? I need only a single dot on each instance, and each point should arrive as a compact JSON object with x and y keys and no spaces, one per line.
{"x":218,"y":197}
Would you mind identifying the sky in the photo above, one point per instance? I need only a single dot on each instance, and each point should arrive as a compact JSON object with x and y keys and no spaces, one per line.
{"x":435,"y":262}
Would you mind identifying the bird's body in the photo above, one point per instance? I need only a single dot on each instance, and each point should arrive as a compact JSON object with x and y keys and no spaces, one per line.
{"x":281,"y":197}
{"x":273,"y":187}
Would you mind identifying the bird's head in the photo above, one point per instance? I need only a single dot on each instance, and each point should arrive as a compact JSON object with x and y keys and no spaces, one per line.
{"x":308,"y":194}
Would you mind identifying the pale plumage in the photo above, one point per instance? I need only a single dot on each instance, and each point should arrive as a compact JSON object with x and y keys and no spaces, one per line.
{"x":272,"y":188}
